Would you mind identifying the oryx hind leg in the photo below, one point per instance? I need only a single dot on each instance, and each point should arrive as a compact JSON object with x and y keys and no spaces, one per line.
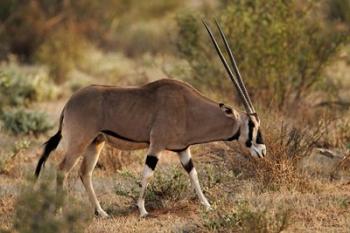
{"x":186,"y":161}
{"x":71,"y":152}
{"x":89,"y":162}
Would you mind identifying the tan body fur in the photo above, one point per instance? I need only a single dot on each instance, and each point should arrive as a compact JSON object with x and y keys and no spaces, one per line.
{"x":168,"y":114}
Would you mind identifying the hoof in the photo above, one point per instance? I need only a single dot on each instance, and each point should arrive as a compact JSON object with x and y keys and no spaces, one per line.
{"x":207,"y":206}
{"x":101,"y":214}
{"x":143,"y":214}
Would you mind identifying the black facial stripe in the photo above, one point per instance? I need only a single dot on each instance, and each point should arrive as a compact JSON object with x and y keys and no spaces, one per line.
{"x":235,"y":136}
{"x":251,"y":125}
{"x":151,"y":161}
{"x":189,"y":166}
{"x":248,"y":143}
{"x":259,"y":138}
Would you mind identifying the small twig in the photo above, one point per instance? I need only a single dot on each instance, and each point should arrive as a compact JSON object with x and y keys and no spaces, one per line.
{"x":340,"y":103}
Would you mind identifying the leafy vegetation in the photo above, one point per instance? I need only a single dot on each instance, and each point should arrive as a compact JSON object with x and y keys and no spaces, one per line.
{"x":20,"y":121}
{"x":244,"y":218}
{"x":62,"y":51}
{"x":36,"y":211}
{"x":171,"y":184}
{"x":339,"y":10}
{"x":277,"y":45}
{"x":21,"y":85}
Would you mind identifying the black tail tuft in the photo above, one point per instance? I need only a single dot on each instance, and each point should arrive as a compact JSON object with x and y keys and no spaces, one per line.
{"x":50,"y":145}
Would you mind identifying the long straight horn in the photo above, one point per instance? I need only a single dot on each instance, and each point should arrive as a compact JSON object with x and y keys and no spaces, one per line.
{"x":232,"y":77}
{"x":235,"y":68}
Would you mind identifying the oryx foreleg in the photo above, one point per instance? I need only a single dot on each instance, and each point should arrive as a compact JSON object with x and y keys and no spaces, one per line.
{"x":150,"y":165}
{"x":186,"y":161}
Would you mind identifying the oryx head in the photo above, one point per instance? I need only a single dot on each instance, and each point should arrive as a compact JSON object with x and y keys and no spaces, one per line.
{"x":249,"y":134}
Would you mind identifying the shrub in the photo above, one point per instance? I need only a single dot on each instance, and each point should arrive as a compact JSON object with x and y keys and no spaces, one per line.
{"x":20,"y":121}
{"x":9,"y":161}
{"x":26,"y":26}
{"x":280,"y":50}
{"x":244,"y":218}
{"x":113,"y":160}
{"x":35,"y":211}
{"x":21,"y":85}
{"x":169,"y":185}
{"x":145,"y":37}
{"x":62,"y":51}
{"x":339,"y":10}
{"x":286,"y":145}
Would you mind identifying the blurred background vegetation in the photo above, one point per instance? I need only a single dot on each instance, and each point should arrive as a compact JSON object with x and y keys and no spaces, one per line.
{"x":284,"y":48}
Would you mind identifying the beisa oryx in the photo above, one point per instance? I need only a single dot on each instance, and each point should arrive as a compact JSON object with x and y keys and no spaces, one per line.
{"x":162,"y":115}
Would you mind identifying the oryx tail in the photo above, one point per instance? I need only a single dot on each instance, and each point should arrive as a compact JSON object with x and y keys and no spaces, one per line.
{"x":50,"y":145}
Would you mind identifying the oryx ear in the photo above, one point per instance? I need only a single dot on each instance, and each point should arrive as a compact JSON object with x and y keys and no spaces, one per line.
{"x":225,"y":109}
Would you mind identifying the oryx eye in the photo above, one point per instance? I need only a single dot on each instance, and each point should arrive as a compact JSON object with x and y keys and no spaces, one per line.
{"x":228,"y":111}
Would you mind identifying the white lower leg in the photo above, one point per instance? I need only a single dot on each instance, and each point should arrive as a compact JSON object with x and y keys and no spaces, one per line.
{"x":186,"y":161}
{"x":197,"y":187}
{"x":147,"y":173}
{"x":86,"y":169}
{"x":86,"y":179}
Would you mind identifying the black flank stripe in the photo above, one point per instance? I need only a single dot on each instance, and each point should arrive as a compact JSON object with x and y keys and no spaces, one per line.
{"x":178,"y":150}
{"x":151,"y":161}
{"x":114,"y":134}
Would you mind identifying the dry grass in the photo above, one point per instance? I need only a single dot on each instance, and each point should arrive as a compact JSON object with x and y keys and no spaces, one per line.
{"x":269,"y":195}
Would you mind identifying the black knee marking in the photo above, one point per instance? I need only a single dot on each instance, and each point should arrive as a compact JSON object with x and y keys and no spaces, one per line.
{"x":189,"y":166}
{"x":151,"y":161}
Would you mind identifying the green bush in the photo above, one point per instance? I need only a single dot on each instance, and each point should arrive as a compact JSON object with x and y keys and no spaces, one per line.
{"x":244,"y":218}
{"x":281,"y":49}
{"x":171,"y":184}
{"x":26,"y":26}
{"x":9,"y":161}
{"x":20,"y":121}
{"x":339,"y":10}
{"x":145,"y":37}
{"x":36,"y":211}
{"x":62,"y":51}
{"x":21,"y":85}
